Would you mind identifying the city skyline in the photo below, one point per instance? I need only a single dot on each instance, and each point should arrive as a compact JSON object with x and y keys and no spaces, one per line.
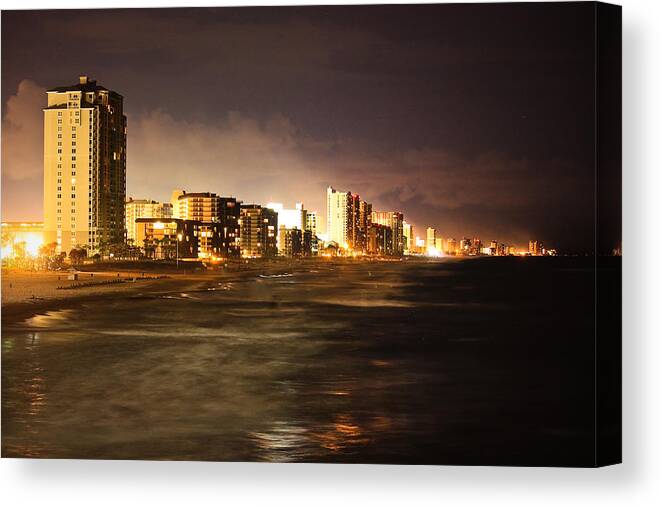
{"x":295,"y":107}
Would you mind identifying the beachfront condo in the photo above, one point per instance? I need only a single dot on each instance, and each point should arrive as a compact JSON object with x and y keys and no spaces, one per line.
{"x":84,"y":167}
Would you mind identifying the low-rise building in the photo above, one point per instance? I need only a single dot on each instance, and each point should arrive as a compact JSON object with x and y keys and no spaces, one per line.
{"x":143,"y":208}
{"x":168,"y":239}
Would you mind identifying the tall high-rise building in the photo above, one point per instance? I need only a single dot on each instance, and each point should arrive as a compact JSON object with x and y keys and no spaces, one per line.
{"x":431,"y":241}
{"x":143,"y":208}
{"x":84,"y":166}
{"x":353,"y":215}
{"x":409,"y":239}
{"x":338,"y":216}
{"x":364,"y":223}
{"x":394,"y":220}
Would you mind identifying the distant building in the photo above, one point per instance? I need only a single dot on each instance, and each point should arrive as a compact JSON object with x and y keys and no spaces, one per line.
{"x":311,"y":222}
{"x":220,"y":219}
{"x":534,"y":248}
{"x":84,"y":166}
{"x":229,"y":215}
{"x":380,"y":240}
{"x":143,"y":208}
{"x":394,"y":220}
{"x":431,"y":240}
{"x":338,"y":213}
{"x":465,"y":246}
{"x":451,"y":247}
{"x":439,"y":245}
{"x":343,"y":219}
{"x":295,"y":242}
{"x":409,"y":239}
{"x":476,"y":247}
{"x":288,"y":219}
{"x":364,"y":223}
{"x":258,"y":231}
{"x":200,"y":206}
{"x":167,"y":239}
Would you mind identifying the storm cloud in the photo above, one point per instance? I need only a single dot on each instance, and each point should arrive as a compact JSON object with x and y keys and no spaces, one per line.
{"x":474,"y":121}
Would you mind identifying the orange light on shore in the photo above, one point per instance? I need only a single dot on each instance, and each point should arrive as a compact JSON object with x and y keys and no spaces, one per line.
{"x":23,"y":244}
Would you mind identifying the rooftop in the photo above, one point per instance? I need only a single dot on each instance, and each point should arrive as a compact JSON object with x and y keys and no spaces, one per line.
{"x":84,"y":85}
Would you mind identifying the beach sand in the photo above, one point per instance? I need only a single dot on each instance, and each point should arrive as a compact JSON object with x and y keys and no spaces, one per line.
{"x":26,"y":293}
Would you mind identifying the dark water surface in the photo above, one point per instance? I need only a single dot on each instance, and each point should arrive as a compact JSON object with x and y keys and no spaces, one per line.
{"x":486,"y":361}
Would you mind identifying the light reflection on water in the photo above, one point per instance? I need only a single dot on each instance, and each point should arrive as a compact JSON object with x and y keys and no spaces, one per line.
{"x":332,"y":367}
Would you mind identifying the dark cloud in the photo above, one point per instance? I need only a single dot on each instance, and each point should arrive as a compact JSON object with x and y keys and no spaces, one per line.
{"x":473,"y":119}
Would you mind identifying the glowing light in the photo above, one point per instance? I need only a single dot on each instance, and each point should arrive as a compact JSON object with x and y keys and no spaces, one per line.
{"x":7,"y":251}
{"x":23,"y":244}
{"x":33,"y":241}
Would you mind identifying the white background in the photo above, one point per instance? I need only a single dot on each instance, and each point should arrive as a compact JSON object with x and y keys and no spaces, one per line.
{"x":636,"y":482}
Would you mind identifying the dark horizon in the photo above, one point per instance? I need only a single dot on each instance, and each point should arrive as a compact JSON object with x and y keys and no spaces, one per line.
{"x":475,"y":119}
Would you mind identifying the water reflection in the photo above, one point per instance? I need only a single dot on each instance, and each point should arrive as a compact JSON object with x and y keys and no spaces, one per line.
{"x":332,"y":368}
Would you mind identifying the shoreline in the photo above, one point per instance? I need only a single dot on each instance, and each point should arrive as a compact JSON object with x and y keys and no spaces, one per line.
{"x":41,"y":285}
{"x":26,"y":293}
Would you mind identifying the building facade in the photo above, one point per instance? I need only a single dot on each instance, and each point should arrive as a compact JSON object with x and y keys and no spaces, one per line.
{"x":364,"y":223}
{"x":144,"y":208}
{"x":200,"y":206}
{"x":409,"y":239}
{"x":431,"y":241}
{"x":84,"y":167}
{"x":229,"y":219}
{"x":259,"y":231}
{"x":337,"y":217}
{"x":394,"y":220}
{"x":380,"y":240}
{"x":311,"y":222}
{"x":219,"y":216}
{"x":168,"y":239}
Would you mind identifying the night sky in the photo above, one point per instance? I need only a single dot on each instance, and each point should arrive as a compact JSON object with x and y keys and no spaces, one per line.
{"x":475,"y":119}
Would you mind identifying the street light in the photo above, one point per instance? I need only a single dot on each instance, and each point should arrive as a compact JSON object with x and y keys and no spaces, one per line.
{"x":179,"y":236}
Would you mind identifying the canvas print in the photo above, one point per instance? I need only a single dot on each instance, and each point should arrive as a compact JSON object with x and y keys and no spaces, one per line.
{"x":383,"y":234}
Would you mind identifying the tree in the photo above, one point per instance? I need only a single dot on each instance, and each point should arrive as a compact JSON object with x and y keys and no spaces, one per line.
{"x":77,"y":255}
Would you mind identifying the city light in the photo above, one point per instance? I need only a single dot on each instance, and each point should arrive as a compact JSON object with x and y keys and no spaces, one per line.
{"x":23,"y":245}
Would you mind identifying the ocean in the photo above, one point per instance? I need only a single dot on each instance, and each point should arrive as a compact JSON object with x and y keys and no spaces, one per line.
{"x":486,"y":361}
